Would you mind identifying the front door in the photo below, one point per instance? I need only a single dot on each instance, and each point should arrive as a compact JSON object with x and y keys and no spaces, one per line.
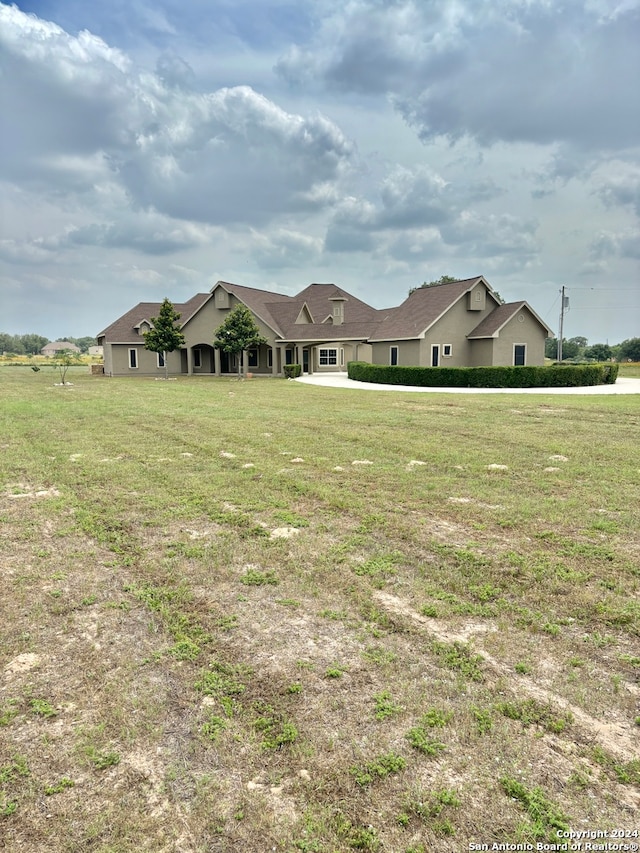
{"x":435,"y":355}
{"x":305,"y":360}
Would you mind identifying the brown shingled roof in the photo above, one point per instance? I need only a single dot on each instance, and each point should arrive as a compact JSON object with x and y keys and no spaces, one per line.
{"x":418,"y":312}
{"x":123,"y":330}
{"x":359,"y":318}
{"x":318,"y":296}
{"x":421,"y":309}
{"x":491,"y":326}
{"x":258,"y":301}
{"x":328,"y":332}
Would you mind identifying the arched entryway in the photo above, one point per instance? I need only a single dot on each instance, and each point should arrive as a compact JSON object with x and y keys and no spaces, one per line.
{"x":202,"y":359}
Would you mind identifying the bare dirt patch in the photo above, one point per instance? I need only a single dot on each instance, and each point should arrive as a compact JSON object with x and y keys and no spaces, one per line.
{"x":616,"y":737}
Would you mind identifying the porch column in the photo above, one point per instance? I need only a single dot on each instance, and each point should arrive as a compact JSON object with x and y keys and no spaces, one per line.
{"x":189,"y":361}
{"x":216,"y":361}
{"x":245,"y":362}
{"x":311,"y":353}
{"x":274,"y":360}
{"x":354,"y":354}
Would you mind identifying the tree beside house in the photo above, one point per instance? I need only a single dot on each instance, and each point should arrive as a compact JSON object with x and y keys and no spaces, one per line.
{"x":164,"y":336}
{"x":238,"y":334}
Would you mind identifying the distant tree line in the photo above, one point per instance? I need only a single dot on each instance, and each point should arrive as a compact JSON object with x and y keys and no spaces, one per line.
{"x":578,"y":349}
{"x":32,"y":344}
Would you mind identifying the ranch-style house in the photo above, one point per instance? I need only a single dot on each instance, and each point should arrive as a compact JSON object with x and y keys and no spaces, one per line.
{"x":458,"y":324}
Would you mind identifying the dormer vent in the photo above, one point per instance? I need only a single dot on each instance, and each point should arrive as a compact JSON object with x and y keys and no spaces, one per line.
{"x":337,"y":311}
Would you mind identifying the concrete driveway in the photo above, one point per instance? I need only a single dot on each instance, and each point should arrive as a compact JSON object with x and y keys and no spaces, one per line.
{"x":341,"y":380}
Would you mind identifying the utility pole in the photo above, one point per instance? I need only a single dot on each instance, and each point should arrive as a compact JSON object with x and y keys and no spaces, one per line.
{"x":564,"y":303}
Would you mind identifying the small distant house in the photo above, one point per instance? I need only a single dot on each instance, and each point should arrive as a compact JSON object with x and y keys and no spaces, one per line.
{"x":57,"y":346}
{"x":96,"y":351}
{"x":322,"y":328}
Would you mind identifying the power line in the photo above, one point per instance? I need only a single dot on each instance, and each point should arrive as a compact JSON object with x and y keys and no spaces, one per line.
{"x":555,"y":302}
{"x":608,"y":289}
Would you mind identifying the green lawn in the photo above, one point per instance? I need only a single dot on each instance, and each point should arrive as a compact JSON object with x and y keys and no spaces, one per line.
{"x":260,"y":615}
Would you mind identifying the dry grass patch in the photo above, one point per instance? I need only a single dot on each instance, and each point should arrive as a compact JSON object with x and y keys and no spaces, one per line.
{"x":440,"y":654}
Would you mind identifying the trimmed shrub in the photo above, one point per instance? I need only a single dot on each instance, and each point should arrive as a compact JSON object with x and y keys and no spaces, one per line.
{"x":554,"y":376}
{"x":292,"y":371}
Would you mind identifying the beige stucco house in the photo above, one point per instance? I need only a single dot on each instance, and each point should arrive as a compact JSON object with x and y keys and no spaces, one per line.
{"x":458,"y":324}
{"x":55,"y":347}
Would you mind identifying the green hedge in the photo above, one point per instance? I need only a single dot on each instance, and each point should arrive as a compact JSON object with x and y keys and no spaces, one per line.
{"x":292,"y":371}
{"x":554,"y":376}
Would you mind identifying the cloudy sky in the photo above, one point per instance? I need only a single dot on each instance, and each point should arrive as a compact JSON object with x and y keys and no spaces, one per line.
{"x":152,"y":147}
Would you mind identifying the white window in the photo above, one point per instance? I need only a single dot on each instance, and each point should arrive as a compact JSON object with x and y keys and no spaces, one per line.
{"x":160,"y":359}
{"x":270,"y":358}
{"x":328,"y":357}
{"x":133,"y":358}
{"x":447,"y":350}
{"x":393,"y":356}
{"x":197,"y":358}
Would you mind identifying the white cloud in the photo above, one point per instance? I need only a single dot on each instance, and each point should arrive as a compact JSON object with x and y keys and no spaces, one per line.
{"x":156,"y":147}
{"x":619,"y":184}
{"x":625,"y":244}
{"x":286,"y":249}
{"x":153,"y":235}
{"x":81,"y":107}
{"x":23,"y":252}
{"x":508,"y":70}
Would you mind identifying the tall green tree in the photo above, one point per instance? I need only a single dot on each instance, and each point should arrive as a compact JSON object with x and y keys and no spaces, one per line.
{"x":83,"y":343}
{"x":570,"y":348}
{"x":629,"y":350}
{"x":10,"y":344}
{"x":580,"y":340}
{"x":599,"y":352}
{"x":33,"y":343}
{"x":164,"y":337}
{"x":444,"y":279}
{"x":239,"y":332}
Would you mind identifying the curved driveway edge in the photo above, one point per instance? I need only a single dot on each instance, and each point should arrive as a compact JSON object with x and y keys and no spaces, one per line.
{"x":341,"y":380}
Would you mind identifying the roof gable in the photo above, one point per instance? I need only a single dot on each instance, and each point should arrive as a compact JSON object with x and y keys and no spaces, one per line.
{"x":143,"y":322}
{"x":425,"y":306}
{"x":304,"y":315}
{"x":320,"y":299}
{"x":126,"y":328}
{"x":492,"y":325}
{"x":259,"y":302}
